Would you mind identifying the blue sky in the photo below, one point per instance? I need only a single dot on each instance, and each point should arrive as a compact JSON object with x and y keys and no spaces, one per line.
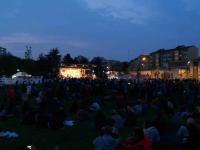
{"x":114,"y":29}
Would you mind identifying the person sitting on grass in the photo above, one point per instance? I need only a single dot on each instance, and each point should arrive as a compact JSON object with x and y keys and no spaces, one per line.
{"x":120,"y":99}
{"x":137,"y":141}
{"x":82,"y":115}
{"x":94,"y":107}
{"x":189,"y":135}
{"x":169,"y":140}
{"x":111,"y":123}
{"x":11,"y":100}
{"x":2,"y":112}
{"x":99,"y":120}
{"x":58,"y":118}
{"x":129,"y":116}
{"x":152,"y":132}
{"x":119,"y":121}
{"x":105,"y":141}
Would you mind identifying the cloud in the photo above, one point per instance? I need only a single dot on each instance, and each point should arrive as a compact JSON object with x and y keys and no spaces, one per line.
{"x":21,"y":38}
{"x":76,"y":44}
{"x":136,"y":11}
{"x":25,"y":38}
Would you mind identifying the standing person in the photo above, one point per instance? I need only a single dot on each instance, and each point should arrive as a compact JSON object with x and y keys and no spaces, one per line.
{"x":29,"y":89}
{"x":11,"y":99}
{"x":120,"y":99}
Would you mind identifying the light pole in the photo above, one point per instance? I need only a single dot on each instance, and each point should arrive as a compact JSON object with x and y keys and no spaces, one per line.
{"x":188,"y":69}
{"x":141,"y":64}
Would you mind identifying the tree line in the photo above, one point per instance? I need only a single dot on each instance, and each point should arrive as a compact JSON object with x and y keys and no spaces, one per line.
{"x":48,"y":64}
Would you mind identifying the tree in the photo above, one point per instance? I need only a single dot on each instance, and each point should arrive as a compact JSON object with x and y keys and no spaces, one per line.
{"x":9,"y":64}
{"x":30,"y":66}
{"x":28,"y":53}
{"x":42,"y":65}
{"x":99,"y":69}
{"x":117,"y":67}
{"x":81,"y":60}
{"x":97,"y":61}
{"x":54,"y":59}
{"x":125,"y":67}
{"x":67,"y":60}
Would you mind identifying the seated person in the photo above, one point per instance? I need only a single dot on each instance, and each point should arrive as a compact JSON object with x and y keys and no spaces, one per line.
{"x":100,"y":120}
{"x":95,"y":107}
{"x":119,"y":121}
{"x":152,"y":132}
{"x":137,"y":141}
{"x":105,"y":141}
{"x":82,"y":115}
{"x":2,"y":112}
{"x":189,"y":135}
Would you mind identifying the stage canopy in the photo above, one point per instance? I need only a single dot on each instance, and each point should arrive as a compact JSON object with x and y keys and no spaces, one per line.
{"x":21,"y":74}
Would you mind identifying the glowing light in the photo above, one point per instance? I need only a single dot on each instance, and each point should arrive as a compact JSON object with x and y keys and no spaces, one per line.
{"x":144,"y":58}
{"x":76,"y":72}
{"x":72,"y":72}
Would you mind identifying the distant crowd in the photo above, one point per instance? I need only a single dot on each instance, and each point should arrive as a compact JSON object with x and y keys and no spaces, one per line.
{"x":161,"y":114}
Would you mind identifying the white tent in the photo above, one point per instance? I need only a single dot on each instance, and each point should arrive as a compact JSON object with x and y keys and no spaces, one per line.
{"x":21,"y":74}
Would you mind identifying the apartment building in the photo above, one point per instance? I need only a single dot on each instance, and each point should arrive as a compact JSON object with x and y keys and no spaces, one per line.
{"x":173,"y":58}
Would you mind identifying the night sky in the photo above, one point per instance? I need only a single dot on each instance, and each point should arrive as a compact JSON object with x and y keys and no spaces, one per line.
{"x":114,"y":29}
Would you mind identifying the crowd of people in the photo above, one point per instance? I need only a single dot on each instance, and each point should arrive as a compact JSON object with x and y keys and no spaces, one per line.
{"x":161,"y":114}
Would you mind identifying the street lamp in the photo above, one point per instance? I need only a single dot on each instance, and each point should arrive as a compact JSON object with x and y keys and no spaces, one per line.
{"x":141,"y":64}
{"x":144,"y":59}
{"x":188,"y":69}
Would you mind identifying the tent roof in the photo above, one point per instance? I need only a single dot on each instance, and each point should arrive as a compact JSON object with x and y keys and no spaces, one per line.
{"x":21,"y":74}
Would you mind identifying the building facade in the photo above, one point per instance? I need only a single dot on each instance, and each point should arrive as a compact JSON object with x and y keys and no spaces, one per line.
{"x":169,"y":64}
{"x":141,"y":63}
{"x":195,"y":69}
{"x":173,"y":58}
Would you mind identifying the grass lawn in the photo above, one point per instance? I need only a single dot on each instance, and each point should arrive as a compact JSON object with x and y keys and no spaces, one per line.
{"x":73,"y":138}
{"x":79,"y":137}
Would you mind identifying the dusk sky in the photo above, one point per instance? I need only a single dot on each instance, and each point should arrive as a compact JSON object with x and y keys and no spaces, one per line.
{"x":114,"y":29}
